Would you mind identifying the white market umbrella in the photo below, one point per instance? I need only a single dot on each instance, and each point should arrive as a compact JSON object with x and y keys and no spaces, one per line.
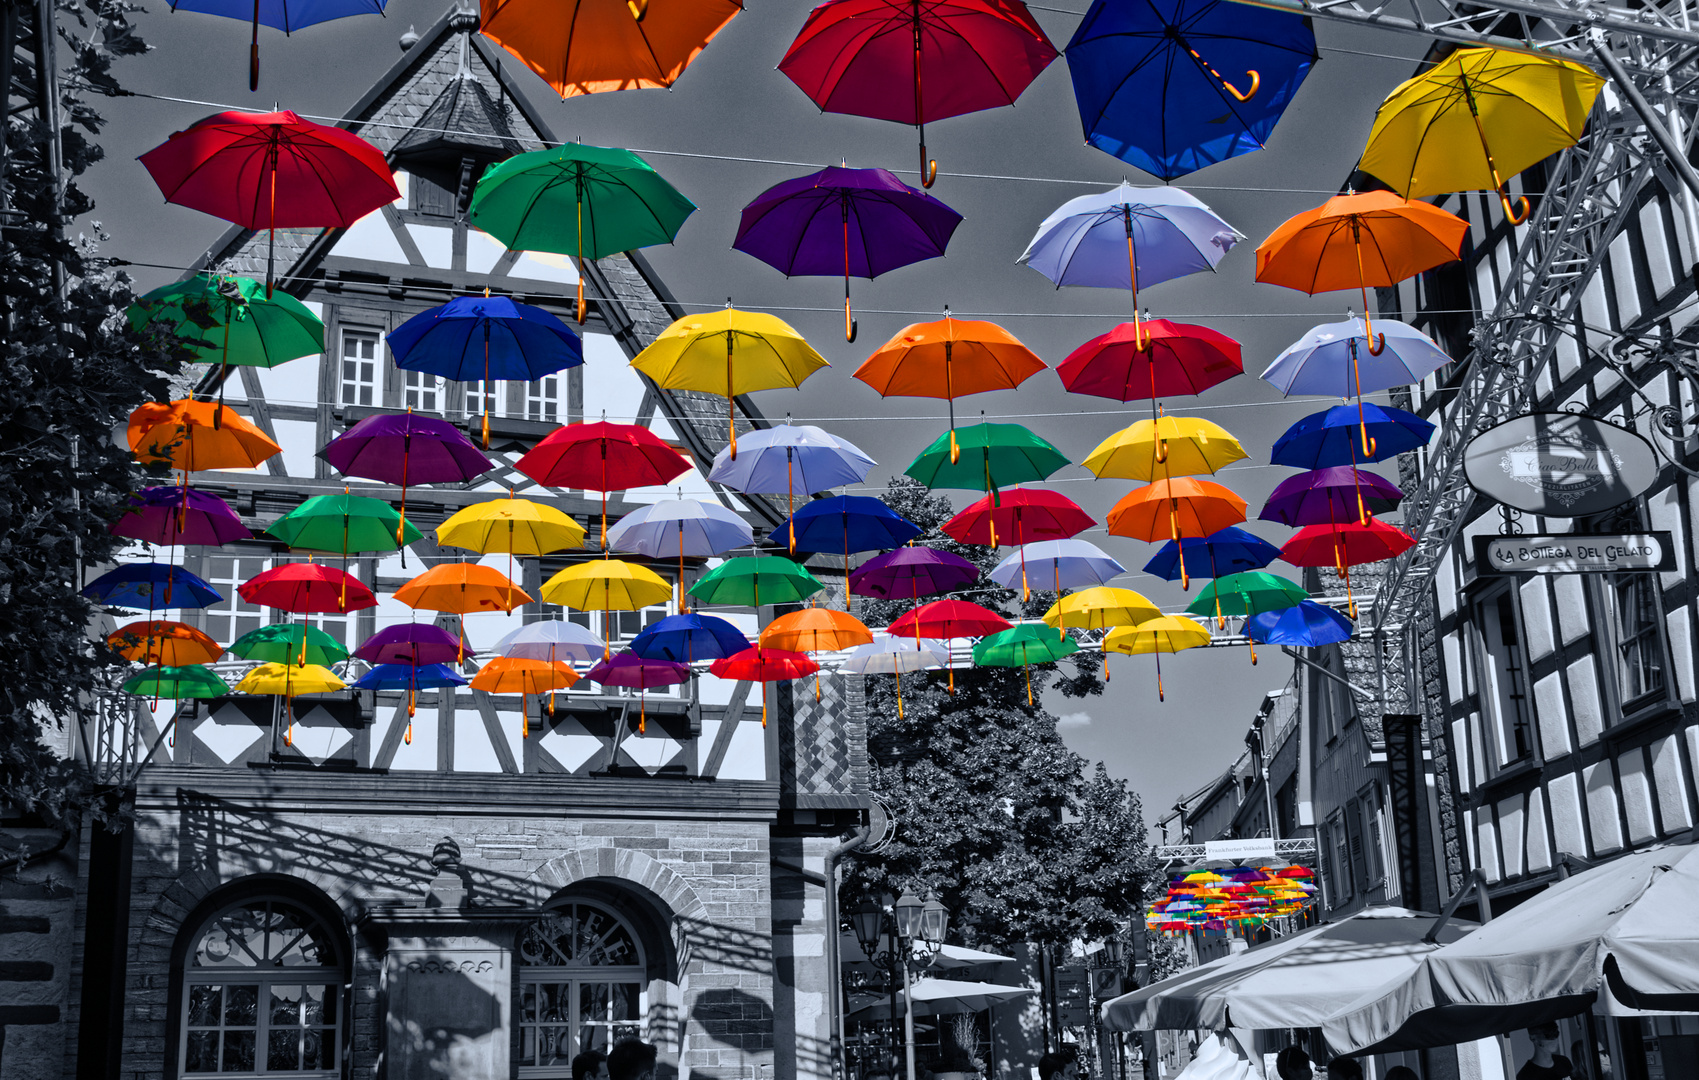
{"x":948,"y":957}
{"x":934,"y":997}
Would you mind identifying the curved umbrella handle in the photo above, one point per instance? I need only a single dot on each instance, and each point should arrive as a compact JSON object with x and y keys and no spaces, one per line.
{"x":850,"y":324}
{"x":583,"y":309}
{"x":1510,"y":213}
{"x":640,"y":8}
{"x":1256,"y":84}
{"x":928,"y":169}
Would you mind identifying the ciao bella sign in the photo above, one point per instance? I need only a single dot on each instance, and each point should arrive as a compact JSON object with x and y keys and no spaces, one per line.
{"x":1566,"y":465}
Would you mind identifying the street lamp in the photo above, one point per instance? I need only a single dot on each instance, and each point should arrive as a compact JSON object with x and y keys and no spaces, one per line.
{"x":903,"y":935}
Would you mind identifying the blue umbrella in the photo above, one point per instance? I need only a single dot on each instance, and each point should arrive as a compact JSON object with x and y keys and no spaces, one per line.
{"x":411,"y":679}
{"x":790,"y":458}
{"x":685,"y":639}
{"x":846,"y":523}
{"x":1074,"y":564}
{"x":473,"y":338}
{"x":1329,"y":437}
{"x":551,"y":641}
{"x":1229,"y":551}
{"x":285,"y":15}
{"x":1173,"y":85}
{"x":674,"y":528}
{"x":1307,"y":623}
{"x":151,"y":587}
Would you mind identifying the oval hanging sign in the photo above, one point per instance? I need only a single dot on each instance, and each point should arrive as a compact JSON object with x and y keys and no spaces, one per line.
{"x":1560,"y":464}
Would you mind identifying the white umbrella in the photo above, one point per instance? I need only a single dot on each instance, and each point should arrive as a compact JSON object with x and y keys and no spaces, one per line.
{"x":948,"y":957}
{"x":888,"y":655}
{"x":933,"y":997}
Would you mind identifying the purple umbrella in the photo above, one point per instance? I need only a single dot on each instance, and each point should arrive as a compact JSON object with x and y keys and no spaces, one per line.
{"x":178,"y":515}
{"x":630,"y":670}
{"x":413,"y":643}
{"x":403,"y":449}
{"x":912,"y":572}
{"x":1331,"y":496}
{"x":854,"y":222}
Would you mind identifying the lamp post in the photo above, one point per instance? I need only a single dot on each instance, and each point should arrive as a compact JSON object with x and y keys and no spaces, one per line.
{"x":898,"y":935}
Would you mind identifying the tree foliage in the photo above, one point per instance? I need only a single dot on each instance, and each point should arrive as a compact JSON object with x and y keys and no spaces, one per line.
{"x":72,"y":371}
{"x":994,"y":813}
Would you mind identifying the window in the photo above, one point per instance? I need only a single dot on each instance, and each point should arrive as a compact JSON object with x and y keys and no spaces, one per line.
{"x":359,"y":367}
{"x":1336,"y":849}
{"x":1504,"y":678}
{"x":262,"y":989}
{"x":581,"y":977}
{"x":1634,"y":618}
{"x":422,"y":391}
{"x":1337,"y":703}
{"x":542,"y":398}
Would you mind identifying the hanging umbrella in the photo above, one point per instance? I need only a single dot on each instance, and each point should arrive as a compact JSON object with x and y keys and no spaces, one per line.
{"x":279,"y":15}
{"x":1164,"y":447}
{"x":150,"y":587}
{"x":949,"y":359}
{"x":729,"y":352}
{"x":815,"y":630}
{"x":674,"y":528}
{"x":1073,"y":564}
{"x":163,"y":641}
{"x":844,"y":524}
{"x":1156,"y":359}
{"x":553,"y":640}
{"x":1019,"y":517}
{"x":603,"y":457}
{"x":1226,"y":551}
{"x":991,"y":456}
{"x":763,"y":666}
{"x":754,"y":580}
{"x":289,"y":644}
{"x":1476,"y":119}
{"x":482,"y":338}
{"x":791,"y":458}
{"x":689,"y":638}
{"x":288,"y":681}
{"x":411,"y":678}
{"x":941,"y":997}
{"x":890,"y":655}
{"x":588,"y":201}
{"x":1101,"y":608}
{"x":607,"y":585}
{"x":1171,"y":86}
{"x":1127,"y":237}
{"x":304,"y":588}
{"x":195,"y":435}
{"x":942,"y":620}
{"x":1330,"y":437}
{"x":176,"y":683}
{"x":1304,"y":624}
{"x":854,"y":222}
{"x":1325,"y":496}
{"x":1345,"y":546}
{"x":231,"y":321}
{"x":634,"y":672}
{"x":1022,"y":646}
{"x":512,"y":526}
{"x":414,"y":643}
{"x":1167,"y":634}
{"x":175,"y":515}
{"x":343,"y":524}
{"x":594,"y":46}
{"x":512,"y":675}
{"x":406,"y":449}
{"x":1171,"y":509}
{"x":272,"y":171}
{"x":460,"y":588}
{"x":912,"y":63}
{"x":1247,"y":593}
{"x":913,"y":572}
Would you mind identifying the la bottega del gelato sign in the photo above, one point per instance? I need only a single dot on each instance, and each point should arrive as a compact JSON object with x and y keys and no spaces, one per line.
{"x":1578,"y":553}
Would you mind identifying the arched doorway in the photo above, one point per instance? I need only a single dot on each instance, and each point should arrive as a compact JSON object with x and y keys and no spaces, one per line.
{"x":581,"y":985}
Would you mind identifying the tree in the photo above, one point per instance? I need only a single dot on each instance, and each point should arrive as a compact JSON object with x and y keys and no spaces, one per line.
{"x":72,"y":370}
{"x":995,"y":814}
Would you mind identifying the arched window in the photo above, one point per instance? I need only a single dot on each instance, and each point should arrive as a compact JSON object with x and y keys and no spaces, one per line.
{"x":262,"y":993}
{"x":581,"y":986}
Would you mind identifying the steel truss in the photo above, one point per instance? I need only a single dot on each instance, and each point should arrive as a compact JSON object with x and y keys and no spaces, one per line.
{"x":1170,"y":855}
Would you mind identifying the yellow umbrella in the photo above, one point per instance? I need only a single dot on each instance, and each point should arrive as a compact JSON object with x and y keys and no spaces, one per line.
{"x":1164,"y":447}
{"x":288,"y":681}
{"x":516,"y":526}
{"x":1477,"y":118}
{"x":1165,"y":634}
{"x":729,"y":352}
{"x":607,"y":585}
{"x":1100,"y":608}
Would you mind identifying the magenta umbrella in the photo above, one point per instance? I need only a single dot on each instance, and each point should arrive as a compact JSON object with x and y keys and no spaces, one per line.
{"x":912,"y":572}
{"x":415,"y":644}
{"x":632,"y":671}
{"x":854,"y":222}
{"x":405,"y":449}
{"x":178,"y":515}
{"x":1331,"y":496}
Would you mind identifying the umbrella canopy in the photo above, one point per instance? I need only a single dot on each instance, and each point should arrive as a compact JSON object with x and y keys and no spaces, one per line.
{"x":945,"y":619}
{"x":272,"y":171}
{"x":1153,"y":359}
{"x":176,"y":683}
{"x":949,"y":359}
{"x":1166,"y":634}
{"x":889,"y":654}
{"x":607,"y":585}
{"x":517,"y":675}
{"x":289,"y":644}
{"x":343,"y":523}
{"x":151,"y":587}
{"x":406,"y":449}
{"x":729,"y":352}
{"x":553,"y":641}
{"x":688,"y":638}
{"x":1292,"y":981}
{"x":1248,"y":593}
{"x":986,"y":457}
{"x":853,"y":222}
{"x":176,"y":515}
{"x":1625,"y":928}
{"x":846,"y":523}
{"x":1354,"y":241}
{"x":194,"y":435}
{"x":1346,"y":545}
{"x":231,"y":320}
{"x":790,"y":458}
{"x":1101,"y":608}
{"x":305,"y":588}
{"x":1305,"y":624}
{"x":754,"y":580}
{"x":279,"y":15}
{"x":674,"y":528}
{"x":1334,"y":494}
{"x":1174,"y":85}
{"x":947,"y":958}
{"x":764,"y":666}
{"x":510,"y":525}
{"x":1477,"y":118}
{"x":913,"y":63}
{"x":815,"y":630}
{"x":1330,"y":437}
{"x":409,"y":677}
{"x":1166,"y":446}
{"x":462,"y":587}
{"x":1226,"y":551}
{"x":936,"y":997}
{"x":414,"y":643}
{"x":162,"y":641}
{"x":289,"y":680}
{"x":1020,"y":516}
{"x":1067,"y":564}
{"x":603,"y":457}
{"x":594,"y":46}
{"x":911,"y":572}
{"x":1334,"y":360}
{"x":1171,"y":509}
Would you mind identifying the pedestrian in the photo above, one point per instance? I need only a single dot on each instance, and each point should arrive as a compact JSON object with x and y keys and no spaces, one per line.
{"x":1062,"y":1064}
{"x":1344,"y":1068}
{"x":632,"y":1059}
{"x":1401,"y":1072}
{"x":1547,"y":1063}
{"x":590,"y":1065}
{"x":1293,"y":1064}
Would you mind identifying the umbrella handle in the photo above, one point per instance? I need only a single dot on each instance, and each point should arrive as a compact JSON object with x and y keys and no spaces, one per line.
{"x":1510,"y":214}
{"x":850,"y":324}
{"x":1256,"y":84}
{"x":638,"y":8}
{"x":928,"y":168}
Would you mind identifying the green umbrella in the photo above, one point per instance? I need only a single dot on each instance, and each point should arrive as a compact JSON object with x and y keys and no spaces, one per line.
{"x":1249,"y":593}
{"x":189,"y":681}
{"x":231,"y":320}
{"x":592,"y":201}
{"x":343,"y":524}
{"x":1021,"y":646}
{"x":992,"y":456}
{"x":753,"y":580}
{"x":281,"y":644}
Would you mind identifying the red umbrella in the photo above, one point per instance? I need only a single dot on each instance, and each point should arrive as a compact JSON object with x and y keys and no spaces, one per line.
{"x":1020,"y":517}
{"x":944,"y":619}
{"x":307,"y":587}
{"x":1345,"y":546}
{"x":913,"y":61}
{"x":1179,"y":358}
{"x":272,"y":171}
{"x":756,"y":664}
{"x":603,"y":457}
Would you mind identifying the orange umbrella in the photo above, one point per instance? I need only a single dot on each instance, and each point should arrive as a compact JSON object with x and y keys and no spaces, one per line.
{"x":948,"y":359}
{"x":162,"y":641}
{"x":815,"y":630}
{"x":1175,"y":508}
{"x":513,"y":675}
{"x":193,"y":435}
{"x":462,"y":587}
{"x":620,"y":44}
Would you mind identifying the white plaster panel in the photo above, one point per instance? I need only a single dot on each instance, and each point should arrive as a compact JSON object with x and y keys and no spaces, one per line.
{"x":1538,"y":845}
{"x":1622,"y":276}
{"x":483,"y":251}
{"x":473,"y":751}
{"x":1685,"y":256}
{"x":1445,"y":583}
{"x":1568,"y":831}
{"x":1510,"y":831}
{"x":1486,"y":848}
{"x":1469,"y":838}
{"x":1568,"y":358}
{"x":1604,"y":823}
{"x":1605,"y":381}
{"x":371,"y":238}
{"x":1537,"y":619}
{"x":293,"y":382}
{"x":435,"y":243}
{"x":1477,"y":747}
{"x":1656,"y":247}
{"x":1595,"y":312}
{"x":1669,"y":777}
{"x":1583,"y":680}
{"x":546,"y":266}
{"x":421,"y":754}
{"x":746,"y":758}
{"x":1484,"y":284}
{"x":1460,"y":739}
{"x":1680,"y":624}
{"x":1666,"y":514}
{"x":1544,"y":385}
{"x":1453,"y":667}
{"x":1553,"y":717}
{"x":1636,"y":795}
{"x":1571,"y":607}
{"x":299,"y":439}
